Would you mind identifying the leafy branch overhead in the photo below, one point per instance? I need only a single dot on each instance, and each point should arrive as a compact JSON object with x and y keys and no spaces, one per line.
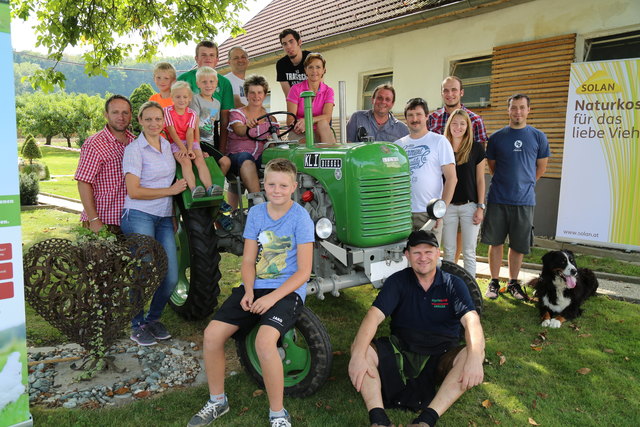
{"x":112,"y":30}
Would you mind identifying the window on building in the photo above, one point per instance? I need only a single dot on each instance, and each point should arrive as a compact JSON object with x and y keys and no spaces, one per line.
{"x":476,"y":77}
{"x":618,"y":46}
{"x":370,"y":82}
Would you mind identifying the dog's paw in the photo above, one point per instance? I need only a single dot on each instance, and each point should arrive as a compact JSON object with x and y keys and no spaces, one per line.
{"x":554,"y":323}
{"x":545,"y":323}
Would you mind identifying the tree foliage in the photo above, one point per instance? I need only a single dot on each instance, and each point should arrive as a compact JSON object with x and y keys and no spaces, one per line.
{"x":38,"y":114}
{"x":129,"y":75}
{"x":139,"y":96}
{"x":112,"y":30}
{"x":48,"y":115}
{"x":21,"y":73}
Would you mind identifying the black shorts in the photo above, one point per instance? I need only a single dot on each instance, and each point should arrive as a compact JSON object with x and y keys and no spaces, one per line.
{"x":282,"y":316}
{"x":406,"y":390}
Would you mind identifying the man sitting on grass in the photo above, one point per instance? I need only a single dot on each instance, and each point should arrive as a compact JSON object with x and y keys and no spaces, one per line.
{"x":426,"y":306}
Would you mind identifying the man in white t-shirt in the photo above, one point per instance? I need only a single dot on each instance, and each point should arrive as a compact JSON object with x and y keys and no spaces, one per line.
{"x":239,"y":62}
{"x":430,"y":158}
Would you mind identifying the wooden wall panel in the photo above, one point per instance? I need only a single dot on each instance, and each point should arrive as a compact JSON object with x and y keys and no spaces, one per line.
{"x":539,"y":69}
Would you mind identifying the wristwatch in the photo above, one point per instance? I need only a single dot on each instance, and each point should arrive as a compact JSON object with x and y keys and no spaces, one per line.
{"x":481,"y":206}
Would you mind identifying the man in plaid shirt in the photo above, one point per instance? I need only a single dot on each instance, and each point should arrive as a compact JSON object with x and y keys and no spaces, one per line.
{"x":99,"y":174}
{"x":452,"y":93}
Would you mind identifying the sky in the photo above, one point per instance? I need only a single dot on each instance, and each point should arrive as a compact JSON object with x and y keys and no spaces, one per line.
{"x":24,"y":38}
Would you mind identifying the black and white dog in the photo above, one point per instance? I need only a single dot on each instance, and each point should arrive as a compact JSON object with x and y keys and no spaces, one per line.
{"x":562,"y":287}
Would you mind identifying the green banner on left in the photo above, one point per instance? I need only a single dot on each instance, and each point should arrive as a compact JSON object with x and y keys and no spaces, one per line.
{"x":9,"y":211}
{"x":5,"y":19}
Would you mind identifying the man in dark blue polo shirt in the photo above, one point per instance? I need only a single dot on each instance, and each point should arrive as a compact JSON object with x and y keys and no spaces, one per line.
{"x":427,"y":307}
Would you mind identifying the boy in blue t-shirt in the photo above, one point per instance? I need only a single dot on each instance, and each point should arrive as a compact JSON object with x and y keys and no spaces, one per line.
{"x":276,"y":265}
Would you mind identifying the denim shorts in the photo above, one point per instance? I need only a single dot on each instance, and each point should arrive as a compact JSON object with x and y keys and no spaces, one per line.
{"x":237,"y":159}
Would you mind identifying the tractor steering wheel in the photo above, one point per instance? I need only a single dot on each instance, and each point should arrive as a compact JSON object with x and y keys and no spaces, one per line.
{"x":274,"y":128}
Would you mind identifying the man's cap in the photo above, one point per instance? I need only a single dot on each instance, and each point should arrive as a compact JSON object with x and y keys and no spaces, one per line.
{"x":422,"y":236}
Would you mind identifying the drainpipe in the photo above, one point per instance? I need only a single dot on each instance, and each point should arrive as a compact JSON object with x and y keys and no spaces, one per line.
{"x":342,"y":91}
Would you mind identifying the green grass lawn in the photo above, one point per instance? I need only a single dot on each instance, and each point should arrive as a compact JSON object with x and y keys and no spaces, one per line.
{"x":60,"y":162}
{"x":543,"y":385}
{"x":603,"y":264}
{"x":61,"y":185}
{"x":40,"y":224}
{"x":539,"y":378}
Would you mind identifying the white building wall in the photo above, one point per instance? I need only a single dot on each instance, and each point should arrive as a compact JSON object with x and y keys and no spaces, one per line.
{"x":420,"y":58}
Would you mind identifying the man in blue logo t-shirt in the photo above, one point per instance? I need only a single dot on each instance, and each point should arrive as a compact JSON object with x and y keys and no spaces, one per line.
{"x":517,"y":155}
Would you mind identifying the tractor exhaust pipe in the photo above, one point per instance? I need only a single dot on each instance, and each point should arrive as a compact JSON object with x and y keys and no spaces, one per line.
{"x":342,"y":94}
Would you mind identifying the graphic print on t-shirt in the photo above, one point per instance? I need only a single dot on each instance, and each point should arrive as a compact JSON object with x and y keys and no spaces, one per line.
{"x":296,"y":77}
{"x":418,"y":156}
{"x":272,"y":254}
{"x":207,"y":119}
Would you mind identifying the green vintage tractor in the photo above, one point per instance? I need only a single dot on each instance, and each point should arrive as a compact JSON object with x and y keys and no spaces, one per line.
{"x":358,"y":195}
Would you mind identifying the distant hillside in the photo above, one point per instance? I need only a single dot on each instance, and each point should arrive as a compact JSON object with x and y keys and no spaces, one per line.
{"x":122,"y":79}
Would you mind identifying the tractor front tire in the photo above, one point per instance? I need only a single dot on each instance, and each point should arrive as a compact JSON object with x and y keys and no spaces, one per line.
{"x":197,"y":298}
{"x":469,"y":280}
{"x":305,"y":351}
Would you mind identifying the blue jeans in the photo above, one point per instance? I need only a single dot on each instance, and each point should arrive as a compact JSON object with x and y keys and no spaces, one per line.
{"x":161,"y":229}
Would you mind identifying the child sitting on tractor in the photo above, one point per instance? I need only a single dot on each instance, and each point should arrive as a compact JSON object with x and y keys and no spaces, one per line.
{"x":182,"y":122}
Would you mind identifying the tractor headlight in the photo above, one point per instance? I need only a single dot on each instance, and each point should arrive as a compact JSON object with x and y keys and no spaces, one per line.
{"x":324,"y":228}
{"x":436,"y":208}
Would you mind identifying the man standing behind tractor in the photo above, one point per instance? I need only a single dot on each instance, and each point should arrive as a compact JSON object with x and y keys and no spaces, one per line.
{"x":239,"y":62}
{"x":452,"y":93}
{"x":290,"y":68}
{"x":430,"y":158}
{"x":207,"y":56}
{"x":517,"y":156}
{"x":377,"y":123}
{"x":99,"y":174}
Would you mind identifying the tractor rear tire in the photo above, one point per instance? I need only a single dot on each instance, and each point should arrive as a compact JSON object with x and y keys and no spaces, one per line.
{"x":306,"y":353}
{"x":469,"y":280}
{"x":197,"y":298}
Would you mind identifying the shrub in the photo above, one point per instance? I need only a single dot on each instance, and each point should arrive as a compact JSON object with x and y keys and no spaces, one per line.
{"x":30,"y":149}
{"x":29,"y":188}
{"x":39,"y":169}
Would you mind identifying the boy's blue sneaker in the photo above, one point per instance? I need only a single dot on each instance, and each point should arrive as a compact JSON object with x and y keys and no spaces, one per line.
{"x":281,"y":421}
{"x":226,"y":222}
{"x":225,"y":207}
{"x":209,"y":412}
{"x":158,"y":330}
